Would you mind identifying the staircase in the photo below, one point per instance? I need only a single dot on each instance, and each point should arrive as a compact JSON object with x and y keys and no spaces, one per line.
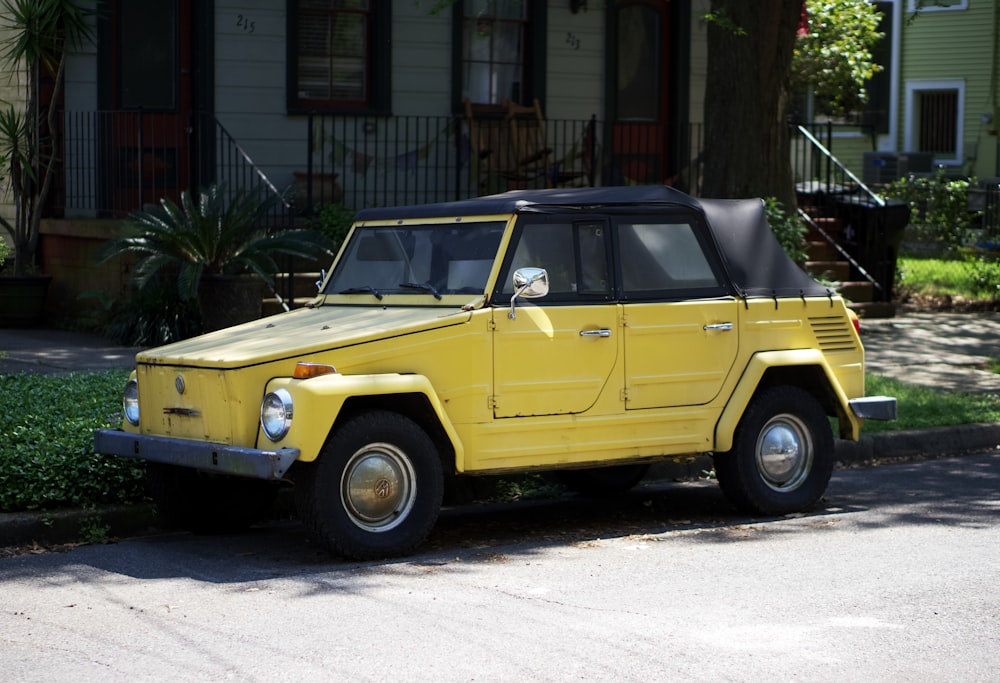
{"x":295,"y":285}
{"x":828,"y":264}
{"x":830,"y":242}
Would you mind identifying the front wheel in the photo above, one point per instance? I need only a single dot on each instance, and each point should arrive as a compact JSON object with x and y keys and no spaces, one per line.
{"x":782,"y":455}
{"x":375,"y":490}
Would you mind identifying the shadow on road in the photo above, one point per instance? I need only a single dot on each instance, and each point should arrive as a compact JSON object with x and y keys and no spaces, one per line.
{"x":960,"y":492}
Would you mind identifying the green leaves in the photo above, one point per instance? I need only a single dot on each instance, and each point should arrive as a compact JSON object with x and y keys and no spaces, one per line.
{"x":42,"y":28}
{"x":46,"y":454}
{"x":834,"y":59}
{"x":213,"y":233}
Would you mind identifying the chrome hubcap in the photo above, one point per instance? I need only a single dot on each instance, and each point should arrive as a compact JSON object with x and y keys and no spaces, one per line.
{"x":378,"y":487}
{"x":784,"y":452}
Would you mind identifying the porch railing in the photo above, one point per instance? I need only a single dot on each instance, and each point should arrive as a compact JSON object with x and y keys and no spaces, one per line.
{"x":115,"y":162}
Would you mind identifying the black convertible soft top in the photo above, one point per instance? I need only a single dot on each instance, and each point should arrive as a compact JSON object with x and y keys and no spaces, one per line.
{"x":756,"y":263}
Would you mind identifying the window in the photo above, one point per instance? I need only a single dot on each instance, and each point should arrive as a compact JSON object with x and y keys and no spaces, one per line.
{"x":937,"y":5}
{"x":338,"y":55}
{"x":575,"y":255}
{"x":934,"y":111}
{"x":497,"y":54}
{"x":663,"y":257}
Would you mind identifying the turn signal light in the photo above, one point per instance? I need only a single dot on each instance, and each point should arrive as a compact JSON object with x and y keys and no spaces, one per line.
{"x":310,"y":370}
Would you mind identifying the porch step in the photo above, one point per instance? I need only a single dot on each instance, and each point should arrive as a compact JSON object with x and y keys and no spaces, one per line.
{"x":832,"y":226}
{"x":303,"y":290}
{"x":857,"y":292}
{"x":303,"y":284}
{"x":821,"y":250}
{"x":874,"y":309}
{"x":837,"y":271}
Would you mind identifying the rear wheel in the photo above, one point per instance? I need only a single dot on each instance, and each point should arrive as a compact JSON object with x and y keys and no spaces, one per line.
{"x":208,"y":503}
{"x":375,"y":490}
{"x":782,"y":455}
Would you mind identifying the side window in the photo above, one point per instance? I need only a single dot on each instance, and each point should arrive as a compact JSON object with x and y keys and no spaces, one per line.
{"x":663,"y":258}
{"x":575,"y":255}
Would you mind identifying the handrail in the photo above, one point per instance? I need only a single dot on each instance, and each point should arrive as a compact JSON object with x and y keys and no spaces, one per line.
{"x":831,"y":158}
{"x":843,"y":252}
{"x":245,"y":158}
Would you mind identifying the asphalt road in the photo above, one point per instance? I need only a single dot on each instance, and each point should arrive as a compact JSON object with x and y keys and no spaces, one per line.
{"x":895,"y":578}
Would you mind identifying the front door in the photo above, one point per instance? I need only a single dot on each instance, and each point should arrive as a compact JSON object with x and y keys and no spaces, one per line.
{"x":146,"y":98}
{"x":639,"y":98}
{"x":559,"y":354}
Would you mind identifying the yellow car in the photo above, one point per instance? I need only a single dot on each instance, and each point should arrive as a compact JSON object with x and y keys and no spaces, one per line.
{"x":591,"y":330}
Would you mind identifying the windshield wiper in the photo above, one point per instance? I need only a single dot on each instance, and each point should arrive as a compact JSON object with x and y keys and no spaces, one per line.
{"x":362,"y":290}
{"x":427,"y":287}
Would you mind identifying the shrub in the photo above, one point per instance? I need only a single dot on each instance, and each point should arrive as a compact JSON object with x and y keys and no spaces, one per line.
{"x":333,"y":221}
{"x":152,"y":316}
{"x":46,"y":453}
{"x":939,"y":213}
{"x":788,"y":228}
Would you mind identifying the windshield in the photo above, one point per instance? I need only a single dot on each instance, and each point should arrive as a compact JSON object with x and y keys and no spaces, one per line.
{"x":417,"y":259}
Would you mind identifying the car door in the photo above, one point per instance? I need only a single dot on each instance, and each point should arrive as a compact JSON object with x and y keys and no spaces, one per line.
{"x":680,"y":321}
{"x":556,"y":354}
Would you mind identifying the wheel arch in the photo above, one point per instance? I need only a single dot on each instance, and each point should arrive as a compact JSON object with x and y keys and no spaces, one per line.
{"x":806,"y":369}
{"x":416,"y":406}
{"x":322,"y":404}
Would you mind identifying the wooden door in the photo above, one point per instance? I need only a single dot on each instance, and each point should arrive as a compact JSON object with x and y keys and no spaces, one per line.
{"x":147,"y":119}
{"x":639,"y":99}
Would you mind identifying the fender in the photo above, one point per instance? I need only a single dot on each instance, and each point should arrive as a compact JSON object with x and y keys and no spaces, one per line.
{"x":759,"y":364}
{"x":318,"y":401}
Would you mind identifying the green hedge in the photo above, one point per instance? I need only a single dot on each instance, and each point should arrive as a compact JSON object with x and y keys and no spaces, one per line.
{"x":46,"y":450}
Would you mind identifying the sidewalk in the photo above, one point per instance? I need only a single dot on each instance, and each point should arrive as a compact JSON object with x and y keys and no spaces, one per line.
{"x":949,"y":351}
{"x":57,"y":352}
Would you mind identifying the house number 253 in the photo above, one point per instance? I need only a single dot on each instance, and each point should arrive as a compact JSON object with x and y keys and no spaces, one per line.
{"x":246,"y":24}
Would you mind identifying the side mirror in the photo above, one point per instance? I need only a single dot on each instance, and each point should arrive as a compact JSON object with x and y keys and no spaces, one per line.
{"x":530,"y":283}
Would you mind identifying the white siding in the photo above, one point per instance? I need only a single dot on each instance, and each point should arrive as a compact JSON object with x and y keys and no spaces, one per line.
{"x":575,"y":63}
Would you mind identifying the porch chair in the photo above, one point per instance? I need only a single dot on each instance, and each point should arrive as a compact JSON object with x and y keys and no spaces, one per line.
{"x":508,"y":152}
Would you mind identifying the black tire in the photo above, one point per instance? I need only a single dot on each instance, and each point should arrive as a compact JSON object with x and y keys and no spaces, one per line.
{"x":207,"y":503}
{"x":376,"y":489}
{"x":782,"y":455}
{"x":603,"y":481}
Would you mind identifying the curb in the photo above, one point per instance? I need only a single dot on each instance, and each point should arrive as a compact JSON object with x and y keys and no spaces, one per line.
{"x":71,"y":525}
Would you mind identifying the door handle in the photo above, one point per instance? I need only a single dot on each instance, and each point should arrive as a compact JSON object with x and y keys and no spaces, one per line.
{"x":720,"y":327}
{"x":595,"y":333}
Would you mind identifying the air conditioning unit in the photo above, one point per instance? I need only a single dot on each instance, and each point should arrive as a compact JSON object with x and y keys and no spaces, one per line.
{"x":884,"y":167}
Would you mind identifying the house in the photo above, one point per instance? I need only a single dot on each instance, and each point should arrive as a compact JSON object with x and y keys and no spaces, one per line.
{"x":372,"y":102}
{"x":368,"y":102}
{"x":936,"y":105}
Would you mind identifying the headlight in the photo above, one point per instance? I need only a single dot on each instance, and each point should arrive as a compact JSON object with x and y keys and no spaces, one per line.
{"x":130,"y":402}
{"x":276,"y":414}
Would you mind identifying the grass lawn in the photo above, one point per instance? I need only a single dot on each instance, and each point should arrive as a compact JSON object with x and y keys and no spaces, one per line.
{"x":923,"y":408}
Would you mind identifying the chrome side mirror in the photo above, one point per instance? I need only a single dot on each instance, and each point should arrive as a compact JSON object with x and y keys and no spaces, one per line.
{"x":530,"y":283}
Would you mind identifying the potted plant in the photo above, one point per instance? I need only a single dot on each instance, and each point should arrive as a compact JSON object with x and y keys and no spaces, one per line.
{"x":217,"y":246}
{"x":40,"y":32}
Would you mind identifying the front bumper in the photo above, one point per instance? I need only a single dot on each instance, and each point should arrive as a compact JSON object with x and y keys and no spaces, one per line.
{"x":202,"y":455}
{"x":874,"y":407}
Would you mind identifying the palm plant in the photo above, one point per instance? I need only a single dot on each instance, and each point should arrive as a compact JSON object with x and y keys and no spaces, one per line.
{"x":211,"y":237}
{"x":41,"y":31}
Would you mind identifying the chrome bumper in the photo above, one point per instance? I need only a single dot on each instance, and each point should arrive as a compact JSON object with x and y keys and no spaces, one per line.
{"x":874,"y":407}
{"x":202,"y":455}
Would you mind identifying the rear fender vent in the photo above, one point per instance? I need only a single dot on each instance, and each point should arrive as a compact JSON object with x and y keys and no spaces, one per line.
{"x":833,"y":333}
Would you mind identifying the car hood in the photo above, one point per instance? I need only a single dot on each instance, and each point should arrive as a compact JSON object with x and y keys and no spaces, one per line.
{"x":297,"y":333}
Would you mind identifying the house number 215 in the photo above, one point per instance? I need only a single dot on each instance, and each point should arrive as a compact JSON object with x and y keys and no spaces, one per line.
{"x":246,"y":24}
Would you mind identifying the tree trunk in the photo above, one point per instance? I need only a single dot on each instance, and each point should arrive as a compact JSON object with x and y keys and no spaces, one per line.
{"x":747,"y":148}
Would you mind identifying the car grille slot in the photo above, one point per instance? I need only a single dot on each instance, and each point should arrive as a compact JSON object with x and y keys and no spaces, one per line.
{"x":833,"y":334}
